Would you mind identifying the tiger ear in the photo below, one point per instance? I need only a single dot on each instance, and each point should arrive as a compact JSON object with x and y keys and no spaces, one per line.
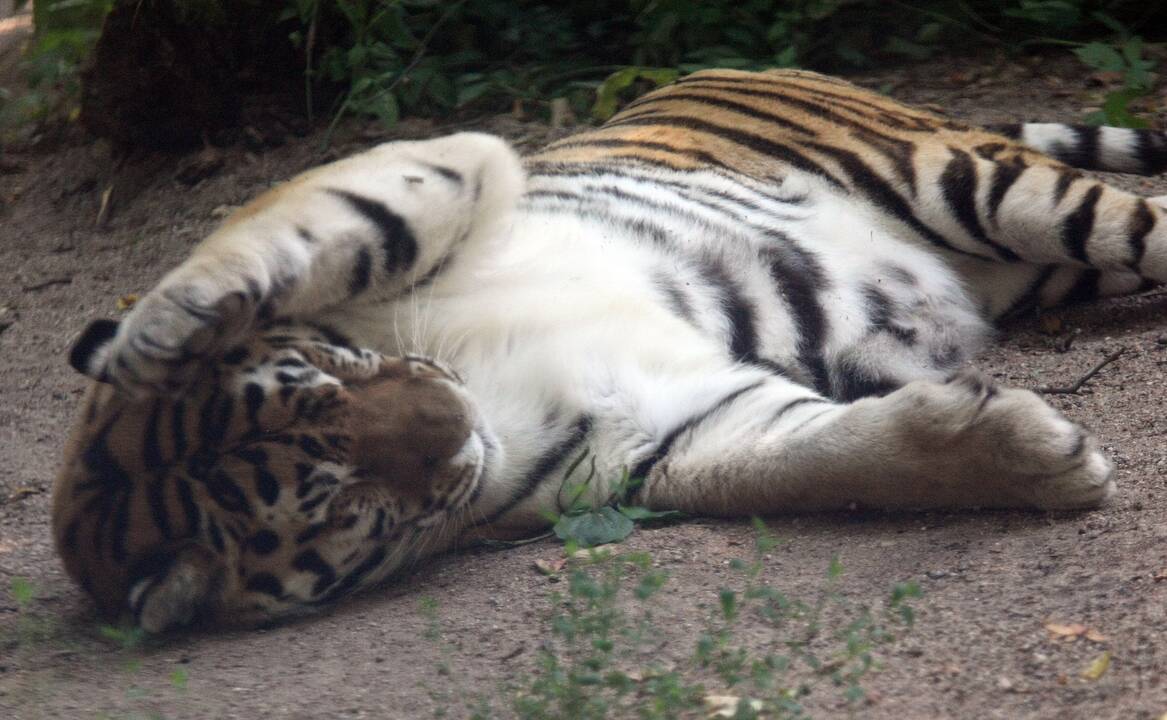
{"x":91,"y":351}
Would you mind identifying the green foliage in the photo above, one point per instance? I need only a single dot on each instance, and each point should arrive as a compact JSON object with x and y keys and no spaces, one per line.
{"x":66,"y":31}
{"x":388,"y":58}
{"x":393,"y":57}
{"x":22,"y":592}
{"x":584,"y":522}
{"x":601,"y":654}
{"x":1127,"y":61}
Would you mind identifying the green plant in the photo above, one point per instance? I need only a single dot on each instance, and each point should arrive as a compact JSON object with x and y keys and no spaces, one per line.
{"x":65,"y":32}
{"x":601,"y":658}
{"x":1126,"y":60}
{"x":584,"y":521}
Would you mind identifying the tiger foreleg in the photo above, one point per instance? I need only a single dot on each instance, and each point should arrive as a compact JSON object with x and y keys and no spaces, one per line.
{"x":363,"y":229}
{"x":961,"y":443}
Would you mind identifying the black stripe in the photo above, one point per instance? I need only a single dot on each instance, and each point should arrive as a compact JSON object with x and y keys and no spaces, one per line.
{"x":448,"y":173}
{"x":378,"y":528}
{"x":551,"y":458}
{"x":362,"y":270}
{"x":311,"y":532}
{"x":1078,"y":225}
{"x":265,"y":583}
{"x":1009,"y":130}
{"x":266,"y":484}
{"x":156,"y":486}
{"x":1085,"y":154}
{"x":800,"y":278}
{"x":1066,"y":178}
{"x":313,"y":448}
{"x":93,"y":339}
{"x":1085,"y":289}
{"x":787,"y":407}
{"x":718,"y":102}
{"x":674,"y":295}
{"x":151,"y":446}
{"x":958,"y":182}
{"x":645,"y":466}
{"x":741,"y":313}
{"x":120,"y":526}
{"x":264,"y":542}
{"x":350,"y":580}
{"x":1152,"y":150}
{"x":1141,"y":224}
{"x":633,"y":145}
{"x":896,"y":150}
{"x":178,"y":428}
{"x":891,"y":114}
{"x":1005,"y":173}
{"x":211,"y":432}
{"x":229,"y":496}
{"x":1031,"y":296}
{"x":881,"y":311}
{"x":216,"y":534}
{"x":853,"y":382}
{"x":397,"y":240}
{"x":602,"y":171}
{"x":332,"y":336}
{"x":885,"y":197}
{"x":756,"y":143}
{"x":189,"y":507}
{"x":310,"y":561}
{"x":253,"y":398}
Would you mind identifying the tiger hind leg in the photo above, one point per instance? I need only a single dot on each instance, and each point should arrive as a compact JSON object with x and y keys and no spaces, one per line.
{"x":964,"y":442}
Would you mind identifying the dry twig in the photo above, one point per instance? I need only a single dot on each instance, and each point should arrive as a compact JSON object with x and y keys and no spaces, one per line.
{"x":1073,"y":389}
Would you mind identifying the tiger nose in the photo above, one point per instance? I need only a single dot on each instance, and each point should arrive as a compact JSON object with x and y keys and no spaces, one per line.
{"x":403,"y":428}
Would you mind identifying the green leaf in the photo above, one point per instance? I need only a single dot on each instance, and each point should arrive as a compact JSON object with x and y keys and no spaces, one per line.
{"x":471,"y":92}
{"x":728,"y":600}
{"x":835,"y":569}
{"x":596,"y":527}
{"x":22,"y":591}
{"x":608,"y":94}
{"x":637,"y":513}
{"x":1101,"y":56}
{"x":385,"y":107}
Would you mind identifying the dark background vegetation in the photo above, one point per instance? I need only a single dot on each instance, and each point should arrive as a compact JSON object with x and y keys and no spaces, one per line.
{"x":176,"y":72}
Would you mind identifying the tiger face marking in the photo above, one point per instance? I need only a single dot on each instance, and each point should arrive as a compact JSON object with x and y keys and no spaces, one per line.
{"x":757,"y":292}
{"x":293,"y":471}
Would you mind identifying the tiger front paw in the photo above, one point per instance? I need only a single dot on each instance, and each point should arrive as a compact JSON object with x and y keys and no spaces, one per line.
{"x":165,"y":341}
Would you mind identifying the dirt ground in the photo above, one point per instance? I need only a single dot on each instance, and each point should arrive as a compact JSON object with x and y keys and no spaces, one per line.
{"x":991,"y":581}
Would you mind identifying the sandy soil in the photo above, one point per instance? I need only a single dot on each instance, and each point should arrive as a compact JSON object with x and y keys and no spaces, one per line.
{"x":991,"y":580}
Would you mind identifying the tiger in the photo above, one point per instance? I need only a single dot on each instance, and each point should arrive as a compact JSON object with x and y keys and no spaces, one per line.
{"x":752,"y":293}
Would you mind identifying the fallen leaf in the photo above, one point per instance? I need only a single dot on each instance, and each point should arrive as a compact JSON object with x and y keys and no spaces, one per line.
{"x":599,"y":552}
{"x":1098,"y":667}
{"x":725,"y":706}
{"x":21,"y":493}
{"x":550,"y":567}
{"x":1094,"y":636}
{"x":125,"y":302}
{"x":103,"y":209}
{"x":1070,"y":630}
{"x":1160,"y":577}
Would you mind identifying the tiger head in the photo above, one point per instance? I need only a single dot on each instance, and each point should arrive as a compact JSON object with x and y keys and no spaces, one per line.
{"x":295,"y":469}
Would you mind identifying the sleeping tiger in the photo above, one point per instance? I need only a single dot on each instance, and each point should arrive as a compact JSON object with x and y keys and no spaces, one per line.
{"x":756,"y":292}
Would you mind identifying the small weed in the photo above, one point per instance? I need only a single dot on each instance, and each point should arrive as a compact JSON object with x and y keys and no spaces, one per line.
{"x":22,"y":592}
{"x":591,"y":517}
{"x":1125,"y":60}
{"x":602,"y":655}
